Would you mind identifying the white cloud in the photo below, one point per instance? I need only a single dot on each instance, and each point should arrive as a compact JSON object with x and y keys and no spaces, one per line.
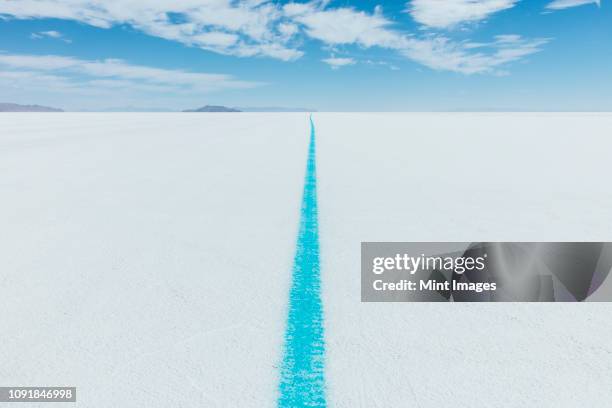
{"x":49,"y":34}
{"x":346,"y":26}
{"x":449,"y":13}
{"x":246,"y":28}
{"x":508,"y":39}
{"x":216,"y":39}
{"x":265,"y":28}
{"x":288,"y":30}
{"x":337,"y":62}
{"x":440,"y":53}
{"x":75,"y":73}
{"x":381,"y":64}
{"x":563,"y":4}
{"x":343,"y":25}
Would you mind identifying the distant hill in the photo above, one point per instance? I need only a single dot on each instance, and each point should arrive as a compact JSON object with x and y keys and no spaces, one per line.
{"x":213,"y":108}
{"x":13,"y":107}
{"x":218,"y":108}
{"x":275,"y":109}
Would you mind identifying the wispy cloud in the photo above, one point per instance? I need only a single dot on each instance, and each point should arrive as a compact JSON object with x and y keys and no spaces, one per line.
{"x":247,"y":28}
{"x":345,"y":26}
{"x":49,"y":34}
{"x":441,"y":53}
{"x":392,"y":67}
{"x":450,"y":13}
{"x":265,"y":28}
{"x":43,"y":34}
{"x":77,"y":74}
{"x":336,"y":62}
{"x":563,"y":4}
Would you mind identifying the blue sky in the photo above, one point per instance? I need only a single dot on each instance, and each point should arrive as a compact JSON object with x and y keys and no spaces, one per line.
{"x":325,"y":55}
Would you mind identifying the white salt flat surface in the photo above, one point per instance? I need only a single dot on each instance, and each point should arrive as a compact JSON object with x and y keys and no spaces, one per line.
{"x":146,"y":258}
{"x":462,"y":177}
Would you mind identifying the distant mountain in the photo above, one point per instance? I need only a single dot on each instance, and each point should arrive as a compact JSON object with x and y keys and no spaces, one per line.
{"x":13,"y":107}
{"x":213,"y":108}
{"x":275,"y":109}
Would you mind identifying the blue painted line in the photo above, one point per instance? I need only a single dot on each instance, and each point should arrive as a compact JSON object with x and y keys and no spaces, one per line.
{"x":302,"y":382}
